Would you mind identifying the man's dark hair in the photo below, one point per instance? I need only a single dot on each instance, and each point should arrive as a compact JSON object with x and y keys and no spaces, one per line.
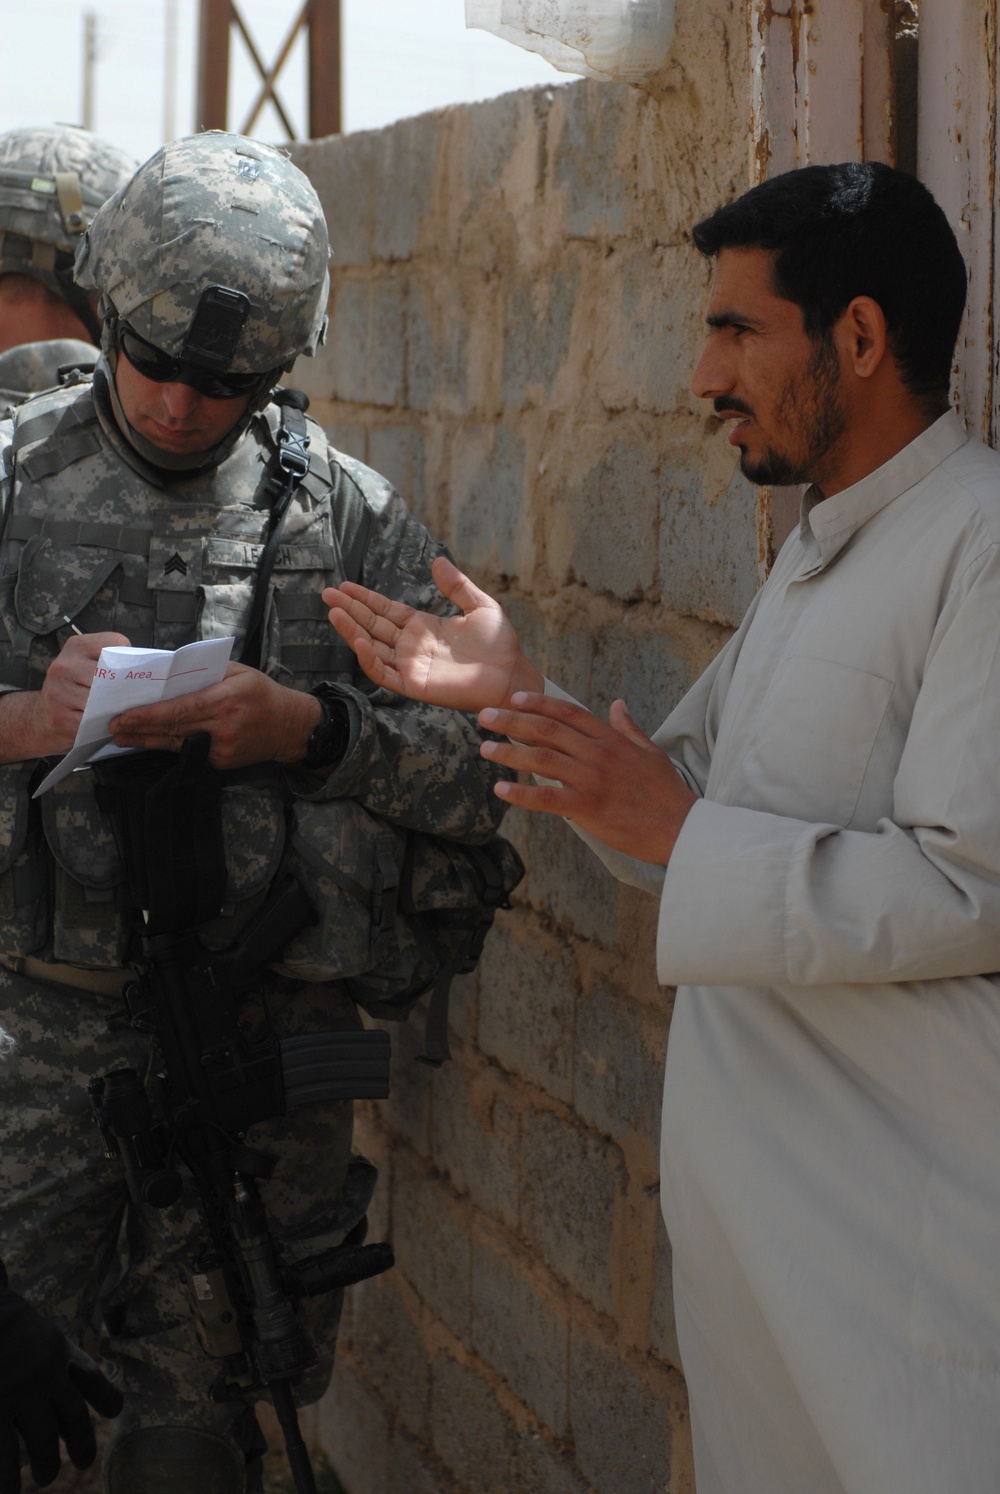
{"x":857,"y":230}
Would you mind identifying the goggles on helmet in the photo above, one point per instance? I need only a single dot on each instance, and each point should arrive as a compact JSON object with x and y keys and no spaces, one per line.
{"x":162,"y":369}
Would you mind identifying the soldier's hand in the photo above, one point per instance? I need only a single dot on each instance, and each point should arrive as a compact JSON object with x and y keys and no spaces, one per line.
{"x":250,"y":718}
{"x":43,"y":723}
{"x":465,"y":662}
{"x":47,"y":1385}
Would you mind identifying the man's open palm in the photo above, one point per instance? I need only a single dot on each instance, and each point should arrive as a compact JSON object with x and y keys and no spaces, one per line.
{"x":465,"y":662}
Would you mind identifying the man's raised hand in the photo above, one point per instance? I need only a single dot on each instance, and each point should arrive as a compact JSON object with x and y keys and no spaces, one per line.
{"x":465,"y":662}
{"x":607,"y":777}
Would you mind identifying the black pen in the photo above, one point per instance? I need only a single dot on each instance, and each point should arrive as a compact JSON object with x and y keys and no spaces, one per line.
{"x":78,"y":631}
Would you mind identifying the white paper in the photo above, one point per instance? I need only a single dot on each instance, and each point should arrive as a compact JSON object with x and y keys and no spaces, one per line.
{"x":129,"y":677}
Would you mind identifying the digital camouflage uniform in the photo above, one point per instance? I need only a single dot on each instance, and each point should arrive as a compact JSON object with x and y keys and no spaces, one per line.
{"x":94,"y":532}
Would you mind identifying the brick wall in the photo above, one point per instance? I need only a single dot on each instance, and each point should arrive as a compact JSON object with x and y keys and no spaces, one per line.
{"x":515,"y":312}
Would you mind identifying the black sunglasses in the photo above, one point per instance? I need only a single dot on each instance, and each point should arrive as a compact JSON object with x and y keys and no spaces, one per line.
{"x":153,"y":364}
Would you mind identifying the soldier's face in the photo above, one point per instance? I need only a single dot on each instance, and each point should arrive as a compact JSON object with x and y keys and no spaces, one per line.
{"x":175,"y":417}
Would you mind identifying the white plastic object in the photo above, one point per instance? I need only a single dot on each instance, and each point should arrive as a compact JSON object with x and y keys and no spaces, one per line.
{"x":623,"y":40}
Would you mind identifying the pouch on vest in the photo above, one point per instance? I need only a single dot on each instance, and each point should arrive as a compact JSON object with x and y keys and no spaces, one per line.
{"x":400,"y":912}
{"x":449,"y":894}
{"x":53,"y":581}
{"x":24,"y":900}
{"x":87,"y":926}
{"x":348,"y":861}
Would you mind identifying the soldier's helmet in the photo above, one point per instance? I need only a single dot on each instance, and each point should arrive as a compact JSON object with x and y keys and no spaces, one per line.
{"x":216,"y":253}
{"x":52,"y":182}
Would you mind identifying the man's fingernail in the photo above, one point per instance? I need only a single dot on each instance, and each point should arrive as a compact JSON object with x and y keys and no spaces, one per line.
{"x":488,"y":715}
{"x":519,"y":697}
{"x":501,"y":789}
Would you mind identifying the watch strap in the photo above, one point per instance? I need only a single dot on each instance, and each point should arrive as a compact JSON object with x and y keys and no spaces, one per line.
{"x":330,"y":737}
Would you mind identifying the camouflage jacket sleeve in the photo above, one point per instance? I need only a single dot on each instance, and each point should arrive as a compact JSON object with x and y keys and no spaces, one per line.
{"x":415,"y":764}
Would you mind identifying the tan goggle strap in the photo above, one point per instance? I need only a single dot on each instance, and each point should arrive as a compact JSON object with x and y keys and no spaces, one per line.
{"x":77,"y":203}
{"x":71,"y":206}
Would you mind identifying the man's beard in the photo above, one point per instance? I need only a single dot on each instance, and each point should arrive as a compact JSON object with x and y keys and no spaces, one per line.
{"x":810,"y":406}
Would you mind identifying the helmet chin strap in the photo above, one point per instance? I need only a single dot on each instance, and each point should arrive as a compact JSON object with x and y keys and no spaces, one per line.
{"x":170,"y":461}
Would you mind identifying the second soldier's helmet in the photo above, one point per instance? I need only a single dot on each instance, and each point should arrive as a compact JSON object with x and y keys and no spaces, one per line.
{"x":216,"y":252}
{"x":52,"y":182}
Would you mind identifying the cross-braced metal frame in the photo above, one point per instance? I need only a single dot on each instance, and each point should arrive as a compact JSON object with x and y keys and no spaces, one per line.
{"x":319,"y":20}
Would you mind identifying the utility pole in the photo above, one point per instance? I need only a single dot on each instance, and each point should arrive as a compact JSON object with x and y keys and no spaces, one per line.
{"x":89,"y":66}
{"x":319,"y":20}
{"x":169,"y":69}
{"x":325,"y":65}
{"x":212,"y":94}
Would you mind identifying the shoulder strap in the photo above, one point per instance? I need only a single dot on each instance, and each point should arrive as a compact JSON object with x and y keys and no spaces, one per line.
{"x":282,"y":485}
{"x":55,"y":412}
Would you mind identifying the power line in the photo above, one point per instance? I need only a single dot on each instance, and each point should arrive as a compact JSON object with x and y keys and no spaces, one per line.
{"x":170,"y":69}
{"x":90,"y":56}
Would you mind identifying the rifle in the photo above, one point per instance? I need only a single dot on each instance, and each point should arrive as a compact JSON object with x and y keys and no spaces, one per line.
{"x":214,"y":1074}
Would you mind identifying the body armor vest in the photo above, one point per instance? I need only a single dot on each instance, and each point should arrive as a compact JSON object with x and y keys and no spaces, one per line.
{"x":104,"y":541}
{"x":113,"y":548}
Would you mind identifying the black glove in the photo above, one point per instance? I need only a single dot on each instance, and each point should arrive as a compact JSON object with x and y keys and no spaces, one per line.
{"x":45,"y":1386}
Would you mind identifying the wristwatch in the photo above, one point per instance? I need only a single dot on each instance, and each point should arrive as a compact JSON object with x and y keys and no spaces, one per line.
{"x":329,"y":738}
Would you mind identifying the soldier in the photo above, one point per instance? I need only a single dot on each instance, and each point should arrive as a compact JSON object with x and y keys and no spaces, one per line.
{"x":52,"y":181}
{"x":136,"y":505}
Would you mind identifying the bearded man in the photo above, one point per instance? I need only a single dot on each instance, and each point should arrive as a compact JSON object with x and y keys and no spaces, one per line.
{"x":820,"y":820}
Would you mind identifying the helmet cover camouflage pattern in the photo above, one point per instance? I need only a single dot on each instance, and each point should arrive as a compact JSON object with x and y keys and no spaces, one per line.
{"x":35,"y":203}
{"x":52,"y":181}
{"x":214,"y":209}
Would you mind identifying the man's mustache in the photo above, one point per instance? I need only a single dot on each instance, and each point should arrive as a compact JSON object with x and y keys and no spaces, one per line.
{"x":731,"y":406}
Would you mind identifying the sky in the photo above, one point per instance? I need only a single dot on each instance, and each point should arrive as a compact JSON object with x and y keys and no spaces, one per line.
{"x":401,"y":57}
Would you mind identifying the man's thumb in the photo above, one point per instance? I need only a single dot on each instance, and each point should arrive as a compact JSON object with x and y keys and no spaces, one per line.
{"x":622,"y":722}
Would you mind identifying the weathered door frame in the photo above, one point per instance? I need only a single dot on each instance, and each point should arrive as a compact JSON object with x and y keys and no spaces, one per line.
{"x":823,"y":89}
{"x":957,"y":158}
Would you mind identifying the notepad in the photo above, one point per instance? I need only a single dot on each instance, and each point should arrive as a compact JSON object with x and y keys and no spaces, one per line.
{"x":128,"y":677}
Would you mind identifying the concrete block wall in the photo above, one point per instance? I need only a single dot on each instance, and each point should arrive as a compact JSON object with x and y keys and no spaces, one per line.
{"x":515,"y":312}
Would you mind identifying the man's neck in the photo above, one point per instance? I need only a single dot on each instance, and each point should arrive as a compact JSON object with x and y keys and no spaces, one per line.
{"x":36,"y":319}
{"x":875,"y":438}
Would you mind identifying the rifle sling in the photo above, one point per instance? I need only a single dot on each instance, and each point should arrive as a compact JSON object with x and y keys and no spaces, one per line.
{"x":293,"y":466}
